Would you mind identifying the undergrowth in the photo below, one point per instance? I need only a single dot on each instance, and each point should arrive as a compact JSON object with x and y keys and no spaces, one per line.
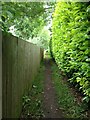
{"x":32,"y":103}
{"x":66,"y":100}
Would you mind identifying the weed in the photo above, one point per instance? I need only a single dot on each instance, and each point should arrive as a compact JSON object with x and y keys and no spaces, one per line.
{"x":32,"y":103}
{"x":66,"y":100}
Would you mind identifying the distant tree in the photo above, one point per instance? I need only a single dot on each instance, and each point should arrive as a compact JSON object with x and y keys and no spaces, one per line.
{"x":42,"y":38}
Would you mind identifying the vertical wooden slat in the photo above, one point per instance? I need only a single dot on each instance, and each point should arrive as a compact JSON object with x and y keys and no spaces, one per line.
{"x":21,"y":61}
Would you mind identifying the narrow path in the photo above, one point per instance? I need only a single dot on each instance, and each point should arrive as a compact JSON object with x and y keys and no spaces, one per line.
{"x":50,"y":106}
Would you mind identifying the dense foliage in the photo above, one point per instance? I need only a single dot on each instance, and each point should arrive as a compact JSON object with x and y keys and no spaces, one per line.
{"x":25,"y":19}
{"x":70,"y":42}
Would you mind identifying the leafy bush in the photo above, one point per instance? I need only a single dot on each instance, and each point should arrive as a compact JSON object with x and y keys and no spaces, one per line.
{"x":70,"y":42}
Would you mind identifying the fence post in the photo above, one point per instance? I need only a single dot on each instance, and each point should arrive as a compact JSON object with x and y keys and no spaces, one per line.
{"x":0,"y":74}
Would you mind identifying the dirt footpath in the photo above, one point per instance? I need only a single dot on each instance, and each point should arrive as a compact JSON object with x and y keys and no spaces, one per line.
{"x":50,"y":106}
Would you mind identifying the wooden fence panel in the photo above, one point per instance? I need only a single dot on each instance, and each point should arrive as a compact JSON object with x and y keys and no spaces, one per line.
{"x":21,"y":60}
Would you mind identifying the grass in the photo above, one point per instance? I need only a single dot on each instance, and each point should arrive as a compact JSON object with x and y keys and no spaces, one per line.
{"x":32,"y":103}
{"x":65,"y":98}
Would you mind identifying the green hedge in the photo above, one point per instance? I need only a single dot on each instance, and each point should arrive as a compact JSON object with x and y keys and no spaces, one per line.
{"x":70,"y":42}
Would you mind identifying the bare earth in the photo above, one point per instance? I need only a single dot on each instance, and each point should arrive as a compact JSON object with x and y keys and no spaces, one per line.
{"x":50,"y":106}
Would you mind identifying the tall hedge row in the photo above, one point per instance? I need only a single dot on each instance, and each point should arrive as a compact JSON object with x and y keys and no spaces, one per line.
{"x":70,"y":42}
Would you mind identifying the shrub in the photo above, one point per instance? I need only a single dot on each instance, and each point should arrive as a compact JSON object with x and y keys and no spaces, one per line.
{"x":70,"y":42}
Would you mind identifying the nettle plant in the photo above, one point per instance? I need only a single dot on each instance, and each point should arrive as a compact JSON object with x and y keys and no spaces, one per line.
{"x":70,"y":42}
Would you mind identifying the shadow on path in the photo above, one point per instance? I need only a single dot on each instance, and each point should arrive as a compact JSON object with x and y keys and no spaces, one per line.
{"x":50,"y":107}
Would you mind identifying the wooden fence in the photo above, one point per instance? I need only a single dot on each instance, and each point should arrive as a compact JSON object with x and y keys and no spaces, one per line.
{"x":20,"y":63}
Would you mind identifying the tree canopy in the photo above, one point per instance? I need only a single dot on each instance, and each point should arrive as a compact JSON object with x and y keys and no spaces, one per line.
{"x":27,"y":18}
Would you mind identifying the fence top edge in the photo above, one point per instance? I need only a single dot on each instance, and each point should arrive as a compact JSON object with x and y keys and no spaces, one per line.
{"x":10,"y":35}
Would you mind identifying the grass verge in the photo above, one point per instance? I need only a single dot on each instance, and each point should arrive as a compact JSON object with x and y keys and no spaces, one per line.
{"x":65,"y":98}
{"x":32,"y":103}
